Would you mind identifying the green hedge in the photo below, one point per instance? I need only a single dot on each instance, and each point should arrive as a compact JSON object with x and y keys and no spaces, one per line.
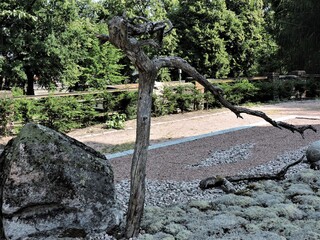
{"x":66,"y":113}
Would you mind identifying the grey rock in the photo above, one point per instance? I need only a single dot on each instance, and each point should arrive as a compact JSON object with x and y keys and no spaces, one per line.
{"x":55,"y":186}
{"x":313,"y":155}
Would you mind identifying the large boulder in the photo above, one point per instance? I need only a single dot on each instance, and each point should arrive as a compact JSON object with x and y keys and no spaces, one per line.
{"x":55,"y":187}
{"x":313,"y":155}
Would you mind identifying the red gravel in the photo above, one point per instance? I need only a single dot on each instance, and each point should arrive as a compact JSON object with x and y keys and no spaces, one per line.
{"x":170,"y":162}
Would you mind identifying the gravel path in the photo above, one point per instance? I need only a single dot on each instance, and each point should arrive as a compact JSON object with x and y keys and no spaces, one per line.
{"x":191,"y":160}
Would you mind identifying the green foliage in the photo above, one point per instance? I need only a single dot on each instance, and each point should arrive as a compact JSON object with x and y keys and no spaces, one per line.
{"x":239,"y":92}
{"x":265,"y":92}
{"x":116,"y":121}
{"x":127,"y":104}
{"x":6,"y":116}
{"x":108,"y":101}
{"x":176,"y":99}
{"x":184,"y":98}
{"x":26,"y":110}
{"x":66,"y":113}
{"x":223,"y":38}
{"x":297,"y":30}
{"x":86,"y":109}
{"x":59,"y":112}
{"x":210,"y":101}
{"x":197,"y":99}
{"x":313,"y":87}
{"x":55,"y":41}
{"x":284,"y":89}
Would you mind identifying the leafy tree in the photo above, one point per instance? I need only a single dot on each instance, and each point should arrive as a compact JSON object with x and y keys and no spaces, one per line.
{"x":223,"y":38}
{"x":54,"y":42}
{"x":27,"y":38}
{"x":297,"y":29}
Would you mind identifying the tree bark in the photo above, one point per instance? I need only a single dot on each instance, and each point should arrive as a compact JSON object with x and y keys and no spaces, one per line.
{"x":139,"y":160}
{"x":121,"y":35}
{"x":30,"y":82}
{"x":225,"y":183}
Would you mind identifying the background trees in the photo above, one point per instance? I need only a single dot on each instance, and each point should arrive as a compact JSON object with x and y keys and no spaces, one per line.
{"x":223,"y":38}
{"x":297,"y":30}
{"x":53,"y":42}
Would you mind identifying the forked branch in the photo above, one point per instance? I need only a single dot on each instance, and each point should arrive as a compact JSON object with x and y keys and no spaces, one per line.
{"x":176,"y":62}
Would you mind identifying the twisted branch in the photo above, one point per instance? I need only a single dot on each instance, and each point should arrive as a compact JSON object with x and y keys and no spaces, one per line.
{"x":177,"y":62}
{"x":225,"y":183}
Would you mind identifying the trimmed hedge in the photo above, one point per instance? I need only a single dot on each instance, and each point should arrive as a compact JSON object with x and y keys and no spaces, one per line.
{"x":67,"y":113}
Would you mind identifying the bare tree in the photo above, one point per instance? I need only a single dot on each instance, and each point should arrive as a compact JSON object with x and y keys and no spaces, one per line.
{"x":131,"y":36}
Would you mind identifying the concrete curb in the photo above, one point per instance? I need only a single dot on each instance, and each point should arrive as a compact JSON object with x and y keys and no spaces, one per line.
{"x":193,"y":138}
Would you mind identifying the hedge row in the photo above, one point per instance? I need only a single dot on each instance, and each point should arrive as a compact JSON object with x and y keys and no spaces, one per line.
{"x":66,"y":113}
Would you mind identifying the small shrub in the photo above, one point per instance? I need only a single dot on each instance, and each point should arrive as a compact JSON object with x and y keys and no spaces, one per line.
{"x":108,"y":101}
{"x":184,"y":98}
{"x":116,"y":121}
{"x":158,"y":106}
{"x":210,"y":101}
{"x":127,"y":103}
{"x":312,"y":87}
{"x":265,"y":92}
{"x":86,"y":110}
{"x":169,"y":100}
{"x":285,"y":89}
{"x":239,"y":92}
{"x":26,"y":110}
{"x":197,"y":99}
{"x":60,"y":113}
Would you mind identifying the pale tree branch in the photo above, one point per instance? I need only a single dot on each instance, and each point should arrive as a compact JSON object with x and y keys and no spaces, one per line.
{"x":148,"y":42}
{"x":176,"y":62}
{"x":103,"y":38}
{"x":225,"y":183}
{"x":148,"y":27}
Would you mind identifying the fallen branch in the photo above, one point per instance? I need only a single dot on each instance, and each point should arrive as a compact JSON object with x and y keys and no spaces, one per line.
{"x":225,"y":183}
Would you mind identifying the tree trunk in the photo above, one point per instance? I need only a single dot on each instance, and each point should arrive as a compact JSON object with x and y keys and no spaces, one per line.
{"x":30,"y":82}
{"x":139,"y":160}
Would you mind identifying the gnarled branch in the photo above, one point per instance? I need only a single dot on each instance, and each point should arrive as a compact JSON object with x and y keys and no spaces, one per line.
{"x":177,"y":62}
{"x":225,"y":183}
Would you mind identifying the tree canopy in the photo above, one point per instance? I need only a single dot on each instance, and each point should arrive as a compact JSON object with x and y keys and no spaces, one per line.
{"x":223,"y":38}
{"x":53,"y":42}
{"x":297,"y":29}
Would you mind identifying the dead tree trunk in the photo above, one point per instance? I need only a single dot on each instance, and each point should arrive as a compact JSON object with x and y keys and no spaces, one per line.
{"x":130,"y":36}
{"x":139,"y":160}
{"x":121,"y":35}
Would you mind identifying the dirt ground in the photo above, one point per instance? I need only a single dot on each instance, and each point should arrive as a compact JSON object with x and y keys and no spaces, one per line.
{"x":195,"y":123}
{"x":169,"y":162}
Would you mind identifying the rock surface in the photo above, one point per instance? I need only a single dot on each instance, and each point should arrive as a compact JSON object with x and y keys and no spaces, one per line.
{"x":55,"y":187}
{"x":313,"y":155}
